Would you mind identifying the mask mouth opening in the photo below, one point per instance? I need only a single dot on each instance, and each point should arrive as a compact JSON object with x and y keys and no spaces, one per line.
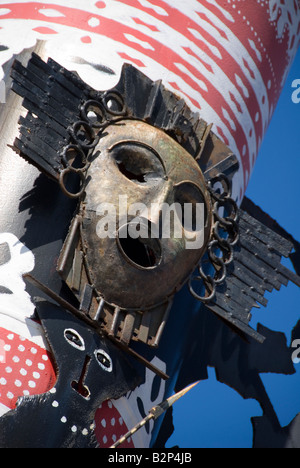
{"x":137,"y":246}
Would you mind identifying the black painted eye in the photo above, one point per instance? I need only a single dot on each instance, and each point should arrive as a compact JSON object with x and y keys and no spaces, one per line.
{"x":74,"y":339}
{"x":104,"y":360}
{"x":138,"y":162}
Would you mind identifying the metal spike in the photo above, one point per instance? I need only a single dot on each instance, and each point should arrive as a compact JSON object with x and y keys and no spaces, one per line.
{"x":155,"y":413}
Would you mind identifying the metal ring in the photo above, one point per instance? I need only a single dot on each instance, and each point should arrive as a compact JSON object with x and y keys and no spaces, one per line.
{"x":118,"y":99}
{"x":220,"y":240}
{"x":62,"y":184}
{"x":229,"y":249}
{"x":223,"y":179}
{"x":81,"y":154}
{"x":203,"y":299}
{"x":217,"y":261}
{"x":233,"y":231}
{"x":95,"y":104}
{"x":226,"y":221}
{"x":213,"y":244}
{"x":202,"y":275}
{"x":232,"y":237}
{"x":89,"y":131}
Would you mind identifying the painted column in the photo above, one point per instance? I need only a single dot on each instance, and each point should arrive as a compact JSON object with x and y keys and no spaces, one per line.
{"x":227,"y":58}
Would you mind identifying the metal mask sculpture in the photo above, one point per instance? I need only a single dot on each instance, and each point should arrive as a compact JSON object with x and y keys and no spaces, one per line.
{"x":137,"y":145}
{"x":142,"y":169}
{"x":134,"y":145}
{"x":117,"y":151}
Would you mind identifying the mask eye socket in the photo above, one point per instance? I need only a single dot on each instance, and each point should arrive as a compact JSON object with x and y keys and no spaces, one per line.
{"x":138,"y":162}
{"x":191,"y":206}
{"x":104,"y":360}
{"x":143,"y":251}
{"x":74,"y":339}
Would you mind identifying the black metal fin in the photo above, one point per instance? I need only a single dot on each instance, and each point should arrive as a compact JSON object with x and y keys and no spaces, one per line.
{"x":256,"y":268}
{"x":52,"y":95}
{"x":153,"y":103}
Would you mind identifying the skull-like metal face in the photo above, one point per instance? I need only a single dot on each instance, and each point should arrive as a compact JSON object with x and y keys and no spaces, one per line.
{"x":147,"y":216}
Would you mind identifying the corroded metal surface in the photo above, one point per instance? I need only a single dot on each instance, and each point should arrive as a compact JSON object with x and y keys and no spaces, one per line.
{"x":120,"y":267}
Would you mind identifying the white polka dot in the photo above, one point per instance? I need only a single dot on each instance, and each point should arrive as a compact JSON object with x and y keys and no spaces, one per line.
{"x":21,"y":338}
{"x":45,"y":357}
{"x":104,"y":439}
{"x":103,"y":423}
{"x":28,"y":362}
{"x":36,"y":375}
{"x":64,"y":419}
{"x":26,"y":392}
{"x":53,"y":390}
{"x":3,"y":381}
{"x":23,"y":372}
{"x":93,"y":22}
{"x":8,"y":370}
{"x":74,"y":429}
{"x":114,"y":437}
{"x":85,"y":432}
{"x":113,"y":422}
{"x":18,"y":383}
{"x":10,"y":336}
{"x":21,"y":348}
{"x":7,"y":347}
{"x":121,"y":421}
{"x":31,"y":384}
{"x":16,"y":359}
{"x":41,"y":366}
{"x":10,"y":395}
{"x":33,"y":350}
{"x":55,"y":404}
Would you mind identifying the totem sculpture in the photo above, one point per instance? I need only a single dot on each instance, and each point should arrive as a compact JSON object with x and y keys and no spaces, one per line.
{"x":109,"y":274}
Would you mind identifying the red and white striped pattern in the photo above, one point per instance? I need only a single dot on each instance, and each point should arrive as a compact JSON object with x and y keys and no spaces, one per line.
{"x":227,"y":58}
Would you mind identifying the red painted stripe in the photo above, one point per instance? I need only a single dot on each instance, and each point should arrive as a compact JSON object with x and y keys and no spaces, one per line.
{"x":117,"y":31}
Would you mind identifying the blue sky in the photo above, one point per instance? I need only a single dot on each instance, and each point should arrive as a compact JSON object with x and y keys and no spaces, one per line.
{"x":214,"y":415}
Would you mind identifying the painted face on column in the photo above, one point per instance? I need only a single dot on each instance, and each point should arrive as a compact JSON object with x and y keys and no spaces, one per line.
{"x":147,"y":215}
